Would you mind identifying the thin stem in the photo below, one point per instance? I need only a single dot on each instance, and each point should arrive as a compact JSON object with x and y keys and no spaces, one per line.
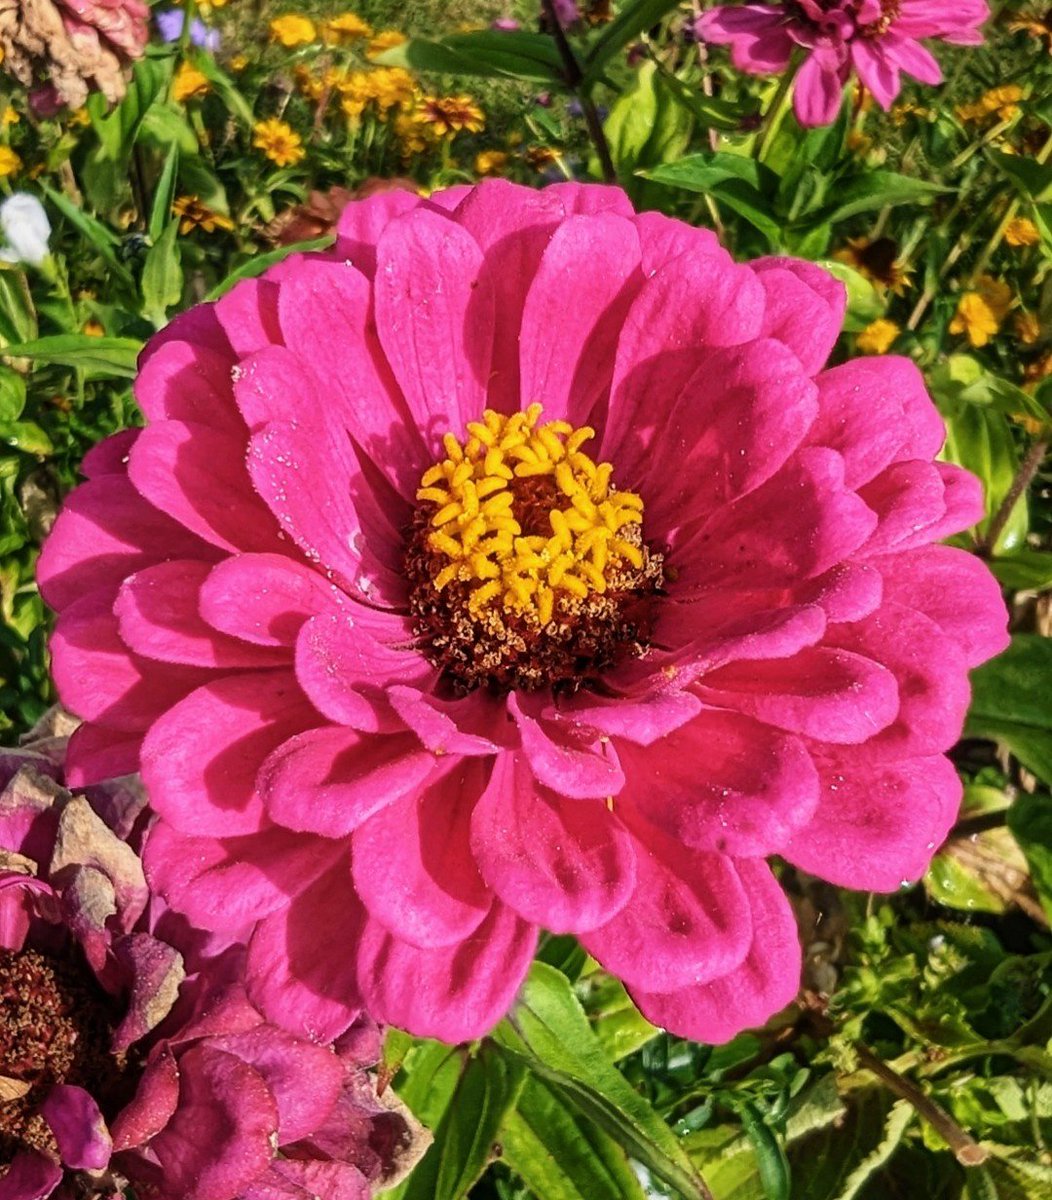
{"x":965,"y":1148}
{"x":574,"y":77}
{"x":990,"y":248}
{"x":1024,"y":476}
{"x":776,"y":110}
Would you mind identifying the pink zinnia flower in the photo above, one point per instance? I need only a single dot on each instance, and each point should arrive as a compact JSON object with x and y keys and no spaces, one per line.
{"x":877,"y":39}
{"x":103,"y":1083}
{"x":415,"y":662}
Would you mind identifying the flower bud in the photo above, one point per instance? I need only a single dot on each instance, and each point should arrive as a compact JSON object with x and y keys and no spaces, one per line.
{"x":26,"y":230}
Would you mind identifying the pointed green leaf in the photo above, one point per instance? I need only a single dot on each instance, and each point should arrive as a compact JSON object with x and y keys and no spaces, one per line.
{"x":97,"y":357}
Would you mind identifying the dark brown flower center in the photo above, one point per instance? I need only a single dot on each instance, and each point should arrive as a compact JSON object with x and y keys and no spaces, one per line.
{"x":55,"y":1027}
{"x":527,"y":567}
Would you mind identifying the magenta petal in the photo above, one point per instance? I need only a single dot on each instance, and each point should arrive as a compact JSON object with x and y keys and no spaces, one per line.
{"x":248,"y":315}
{"x":265,"y":598}
{"x":412,"y":863}
{"x":687,"y":920}
{"x":641,"y":718}
{"x":301,"y":960}
{"x":567,"y":865}
{"x":157,"y":612}
{"x":435,"y":320}
{"x":110,"y":456}
{"x":877,"y":69}
{"x":104,"y":532}
{"x":723,"y":782}
{"x":932,"y":679}
{"x":302,"y":1179}
{"x":196,"y":474}
{"x":747,"y":996}
{"x":805,"y":308}
{"x":755,"y":33}
{"x":567,"y":363}
{"x":185,"y":382}
{"x":96,"y":754}
{"x":80,"y":1132}
{"x":154,"y":1102}
{"x":362,"y":223}
{"x":329,"y":780}
{"x":200,"y":760}
{"x":877,"y":824}
{"x":454,"y":993}
{"x":447,"y":726}
{"x":817,"y":92}
{"x":31,"y":1176}
{"x":305,"y":1079}
{"x":233,"y":882}
{"x":956,"y":590}
{"x":228,"y":1098}
{"x":830,"y":695}
{"x":559,"y":757}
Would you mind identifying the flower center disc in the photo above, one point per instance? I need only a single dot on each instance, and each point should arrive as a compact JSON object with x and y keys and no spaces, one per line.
{"x":527,"y":567}
{"x":55,"y":1027}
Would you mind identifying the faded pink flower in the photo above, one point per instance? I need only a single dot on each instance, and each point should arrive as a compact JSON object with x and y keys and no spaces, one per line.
{"x":410,"y":676}
{"x":103,"y":1083}
{"x":73,"y":47}
{"x":875,"y":39}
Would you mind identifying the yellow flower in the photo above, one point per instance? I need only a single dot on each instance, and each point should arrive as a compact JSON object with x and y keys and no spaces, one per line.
{"x":1027,"y":328}
{"x":238,"y":63}
{"x":490,"y":162}
{"x":391,"y":86}
{"x":975,"y":318}
{"x":10,"y":116}
{"x":997,"y":294}
{"x":859,"y":143}
{"x":1002,"y":101}
{"x":450,"y":114}
{"x":292,"y":30}
{"x":93,"y":329}
{"x":1021,"y":231}
{"x":386,"y":39}
{"x":193,"y":214}
{"x":541,"y":157}
{"x":414,"y":135}
{"x":190,"y":83}
{"x":279,"y":142}
{"x":9,"y":162}
{"x":344,"y":29}
{"x":79,"y":116}
{"x":877,"y":260}
{"x":877,"y":336}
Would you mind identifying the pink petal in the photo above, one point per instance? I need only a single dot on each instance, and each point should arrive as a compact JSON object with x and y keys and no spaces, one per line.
{"x":567,"y":865}
{"x":362,"y":223}
{"x":233,"y":882}
{"x":201,"y":759}
{"x":830,"y":695}
{"x":560,"y":757}
{"x":704,"y":635}
{"x":796,"y":526}
{"x":110,"y":456}
{"x":755,"y":33}
{"x":687,"y":920}
{"x":817,"y":92}
{"x":329,"y":780}
{"x":589,"y":198}
{"x":805,"y":308}
{"x":304,"y":1079}
{"x":153,"y":1104}
{"x":877,"y":824}
{"x":412,"y":863}
{"x":295,"y":1179}
{"x":157,"y":611}
{"x":31,"y":1176}
{"x":845,"y":592}
{"x":723,"y":782}
{"x":225,"y":1096}
{"x":248,"y":314}
{"x":105,"y":532}
{"x":641,"y":718}
{"x":567,"y":351}
{"x":75,"y":1120}
{"x":956,"y":590}
{"x":435,"y":320}
{"x":183,"y":381}
{"x":301,"y":960}
{"x":932,"y":679}
{"x":96,"y":753}
{"x":265,"y":598}
{"x":919,"y":502}
{"x":453,"y":993}
{"x":196,"y":475}
{"x":447,"y":726}
{"x":747,"y":996}
{"x":876,"y":69}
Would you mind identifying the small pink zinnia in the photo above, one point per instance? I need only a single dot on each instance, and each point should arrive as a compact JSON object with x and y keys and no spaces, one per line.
{"x":877,"y":39}
{"x":517,"y":565}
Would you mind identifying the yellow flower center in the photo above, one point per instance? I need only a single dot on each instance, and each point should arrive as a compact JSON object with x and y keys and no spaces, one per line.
{"x":525,"y":557}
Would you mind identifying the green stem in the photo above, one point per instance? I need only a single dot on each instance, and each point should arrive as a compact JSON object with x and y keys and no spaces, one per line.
{"x":775,"y":114}
{"x":1024,"y":476}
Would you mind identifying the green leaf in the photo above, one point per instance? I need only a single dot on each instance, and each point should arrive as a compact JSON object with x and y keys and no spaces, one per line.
{"x":549,"y":1029}
{"x":26,"y":436}
{"x":465,"y":1137}
{"x":486,"y":52}
{"x":1010,"y":702}
{"x":1031,"y":178}
{"x":164,"y":128}
{"x":93,"y":230}
{"x":97,"y":357}
{"x":162,"y":276}
{"x":631,"y":122}
{"x":1030,"y":820}
{"x":257,"y":265}
{"x":164,"y":195}
{"x":1024,"y":569}
{"x":979,"y":438}
{"x":559,"y":1154}
{"x":773,"y":1166}
{"x":875,"y":190}
{"x":226,"y":88}
{"x":864,"y":303}
{"x":632,"y":19}
{"x":739,"y":183}
{"x":12,"y":394}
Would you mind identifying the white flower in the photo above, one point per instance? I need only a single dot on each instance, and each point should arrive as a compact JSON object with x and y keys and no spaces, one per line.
{"x":26,"y":230}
